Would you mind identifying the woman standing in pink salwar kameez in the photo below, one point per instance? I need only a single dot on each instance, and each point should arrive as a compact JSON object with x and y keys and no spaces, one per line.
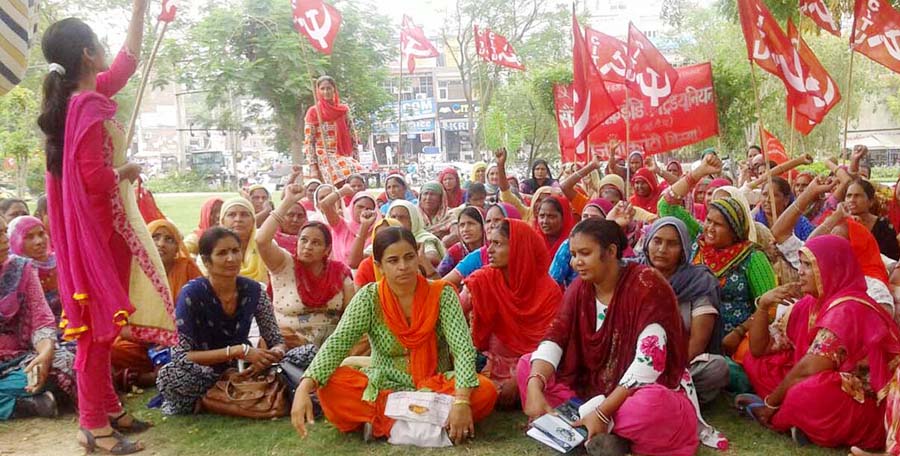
{"x":110,"y":275}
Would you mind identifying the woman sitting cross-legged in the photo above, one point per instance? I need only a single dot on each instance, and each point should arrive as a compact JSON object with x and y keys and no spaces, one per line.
{"x":213,"y":316}
{"x":28,"y":343}
{"x":420,"y":341}
{"x":310,"y":291}
{"x":130,"y":360}
{"x":823,"y":369}
{"x":618,"y":343}
{"x":513,"y":302}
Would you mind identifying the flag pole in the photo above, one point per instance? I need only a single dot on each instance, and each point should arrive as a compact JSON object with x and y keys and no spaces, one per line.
{"x":763,"y":143}
{"x":627,"y":116}
{"x":145,"y":76}
{"x":848,"y":92}
{"x":312,"y":76}
{"x":400,"y":112}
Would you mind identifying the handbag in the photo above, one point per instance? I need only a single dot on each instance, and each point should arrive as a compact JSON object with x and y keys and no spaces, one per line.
{"x":261,"y":396}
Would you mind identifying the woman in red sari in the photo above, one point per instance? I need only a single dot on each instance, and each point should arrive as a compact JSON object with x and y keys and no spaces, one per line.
{"x":209,"y":217}
{"x":646,"y":190}
{"x":328,"y":143}
{"x":618,"y":343}
{"x":830,"y":357}
{"x":103,"y":247}
{"x":513,"y":302}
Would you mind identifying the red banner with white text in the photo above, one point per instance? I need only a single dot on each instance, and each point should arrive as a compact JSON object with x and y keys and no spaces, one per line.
{"x":565,"y":122}
{"x":687,"y":117}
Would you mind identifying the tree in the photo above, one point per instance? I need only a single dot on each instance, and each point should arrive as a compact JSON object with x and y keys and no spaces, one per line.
{"x":18,"y":131}
{"x":250,"y":49}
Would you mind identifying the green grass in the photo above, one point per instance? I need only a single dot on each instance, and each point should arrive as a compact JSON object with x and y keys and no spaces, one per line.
{"x":184,"y":208}
{"x":500,"y":434}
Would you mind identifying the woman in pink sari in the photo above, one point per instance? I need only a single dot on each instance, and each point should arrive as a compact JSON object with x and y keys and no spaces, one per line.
{"x":830,"y":357}
{"x":110,"y":274}
{"x":345,"y":224}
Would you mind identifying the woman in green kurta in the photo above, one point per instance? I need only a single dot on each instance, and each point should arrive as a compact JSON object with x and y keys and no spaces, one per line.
{"x":414,"y":327}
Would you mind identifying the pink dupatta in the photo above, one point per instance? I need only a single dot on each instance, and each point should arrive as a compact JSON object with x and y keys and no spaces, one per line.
{"x":92,"y":294}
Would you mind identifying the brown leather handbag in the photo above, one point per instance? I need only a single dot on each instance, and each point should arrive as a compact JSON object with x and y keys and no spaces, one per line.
{"x":262,"y":396}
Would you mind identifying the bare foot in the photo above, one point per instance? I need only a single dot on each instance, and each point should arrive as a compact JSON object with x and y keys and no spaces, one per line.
{"x":854,"y":451}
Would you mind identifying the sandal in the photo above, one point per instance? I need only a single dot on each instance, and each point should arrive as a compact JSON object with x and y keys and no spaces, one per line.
{"x":741,"y":401}
{"x":122,"y":446}
{"x":135,"y":427}
{"x":749,"y":411}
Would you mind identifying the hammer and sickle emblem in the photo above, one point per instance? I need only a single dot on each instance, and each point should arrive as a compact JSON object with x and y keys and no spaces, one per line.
{"x":317,"y":31}
{"x":653,"y":89}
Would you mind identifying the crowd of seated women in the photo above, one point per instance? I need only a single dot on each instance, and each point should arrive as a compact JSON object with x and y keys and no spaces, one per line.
{"x":643,"y":293}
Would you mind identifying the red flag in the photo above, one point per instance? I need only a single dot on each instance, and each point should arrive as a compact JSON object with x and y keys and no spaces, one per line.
{"x":648,"y":71}
{"x":591,"y":100}
{"x":687,"y":117}
{"x":770,"y":48}
{"x":609,"y":54}
{"x":565,"y":121}
{"x":495,"y":48}
{"x":876,"y":32}
{"x":482,"y":44}
{"x":821,"y":90}
{"x":774,"y":148}
{"x":414,"y":45}
{"x":818,"y":12}
{"x":169,"y":8}
{"x":318,"y":21}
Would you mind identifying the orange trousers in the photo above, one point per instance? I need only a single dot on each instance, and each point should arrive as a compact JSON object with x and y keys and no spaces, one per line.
{"x":341,"y":400}
{"x":131,"y":355}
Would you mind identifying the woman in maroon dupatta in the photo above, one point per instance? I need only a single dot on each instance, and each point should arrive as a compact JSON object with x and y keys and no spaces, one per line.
{"x":553,"y":221}
{"x":619,"y":343}
{"x":328,"y":143}
{"x":835,"y":351}
{"x":209,"y":217}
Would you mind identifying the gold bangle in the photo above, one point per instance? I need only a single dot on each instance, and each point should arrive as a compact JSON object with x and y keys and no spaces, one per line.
{"x":461,"y":402}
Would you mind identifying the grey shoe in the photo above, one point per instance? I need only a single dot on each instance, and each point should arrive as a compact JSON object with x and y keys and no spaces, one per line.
{"x":607,"y":445}
{"x":42,"y":405}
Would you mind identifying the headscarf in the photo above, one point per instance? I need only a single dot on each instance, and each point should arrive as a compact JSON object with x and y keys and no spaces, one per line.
{"x":417,"y":226}
{"x":844,"y":307}
{"x":315,"y":200}
{"x":408,"y":196}
{"x":677,"y":163}
{"x":519,"y":311}
{"x":593,"y":362}
{"x":616,"y":181}
{"x":205,"y":214}
{"x":441,"y":216}
{"x":632,"y":154}
{"x":256,"y":187}
{"x":509,"y":211}
{"x":417,"y":334}
{"x":316,"y":291}
{"x":17,"y":231}
{"x":307,"y":204}
{"x":252,"y":265}
{"x":349,"y":178}
{"x":531,"y":185}
{"x":866,"y":250}
{"x":457,"y":197}
{"x":718,"y":182}
{"x":535,"y":198}
{"x":353,"y":225}
{"x":567,"y":222}
{"x":335,"y":112}
{"x":722,"y":261}
{"x":488,"y":186}
{"x":289,"y":241}
{"x":602,"y":204}
{"x":183,"y":269}
{"x":475,"y":168}
{"x":649,"y":202}
{"x":737,"y":194}
{"x":385,"y":221}
{"x":690,"y":282}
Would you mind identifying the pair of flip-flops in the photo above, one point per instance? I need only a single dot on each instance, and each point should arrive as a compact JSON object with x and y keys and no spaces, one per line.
{"x":746,"y":403}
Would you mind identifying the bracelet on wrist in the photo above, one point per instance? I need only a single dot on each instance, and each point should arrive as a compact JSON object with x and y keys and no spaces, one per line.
{"x":246,"y":348}
{"x":766,"y":403}
{"x":461,"y":402}
{"x":539,"y":377}
{"x":605,"y":419}
{"x":228,"y":352}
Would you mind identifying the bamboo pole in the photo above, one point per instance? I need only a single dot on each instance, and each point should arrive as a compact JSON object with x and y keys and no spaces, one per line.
{"x":762,"y":142}
{"x":145,"y":76}
{"x":312,"y":76}
{"x":627,"y":117}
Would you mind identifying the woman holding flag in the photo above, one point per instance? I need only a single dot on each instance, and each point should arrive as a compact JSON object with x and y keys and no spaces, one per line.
{"x":328,"y":143}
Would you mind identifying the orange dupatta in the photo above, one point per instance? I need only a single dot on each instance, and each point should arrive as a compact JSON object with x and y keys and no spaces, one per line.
{"x":419,"y":337}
